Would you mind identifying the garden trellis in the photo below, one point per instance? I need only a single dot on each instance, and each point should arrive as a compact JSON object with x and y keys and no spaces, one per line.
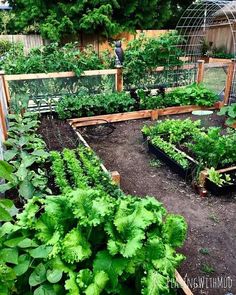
{"x":194,"y":25}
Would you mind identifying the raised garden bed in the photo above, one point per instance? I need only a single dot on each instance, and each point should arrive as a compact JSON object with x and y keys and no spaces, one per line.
{"x":185,"y":165}
{"x":186,"y":173}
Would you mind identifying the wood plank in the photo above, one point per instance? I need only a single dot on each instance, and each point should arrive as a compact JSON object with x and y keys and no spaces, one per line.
{"x":182,"y":284}
{"x":119,"y":80}
{"x":103,"y":119}
{"x":216,"y":65}
{"x":229,"y":169}
{"x":219,"y":60}
{"x":39,"y":76}
{"x":3,"y":122}
{"x":229,"y":80}
{"x":59,"y":75}
{"x":182,"y":110}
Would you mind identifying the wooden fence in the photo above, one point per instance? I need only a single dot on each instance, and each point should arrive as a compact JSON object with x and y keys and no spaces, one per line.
{"x":29,"y":41}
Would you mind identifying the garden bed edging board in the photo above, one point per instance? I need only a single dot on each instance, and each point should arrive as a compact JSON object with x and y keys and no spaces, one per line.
{"x":143,"y":114}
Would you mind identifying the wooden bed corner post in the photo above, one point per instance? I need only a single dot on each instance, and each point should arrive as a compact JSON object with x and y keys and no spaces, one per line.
{"x":229,"y":80}
{"x":119,"y":79}
{"x":115,"y":175}
{"x":154,"y":115}
{"x":200,"y":71}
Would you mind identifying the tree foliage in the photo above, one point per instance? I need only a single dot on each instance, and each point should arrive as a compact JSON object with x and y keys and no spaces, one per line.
{"x":55,"y":19}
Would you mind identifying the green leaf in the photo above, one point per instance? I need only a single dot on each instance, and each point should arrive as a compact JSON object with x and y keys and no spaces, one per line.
{"x":9,"y":255}
{"x":6,"y":170}
{"x":45,"y":289}
{"x":54,"y":275}
{"x":5,"y":187}
{"x":155,"y":284}
{"x":113,"y":266}
{"x":10,"y":154}
{"x":7,"y":228}
{"x":38,"y":276}
{"x":100,"y":281}
{"x":4,"y":214}
{"x":6,"y":203}
{"x":26,"y":189}
{"x":14,"y":242}
{"x":75,"y":247}
{"x":175,"y":230}
{"x":27,"y":243}
{"x":23,"y":264}
{"x":41,"y":252}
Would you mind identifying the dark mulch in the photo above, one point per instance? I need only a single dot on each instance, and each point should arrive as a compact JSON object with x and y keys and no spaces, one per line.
{"x":211,"y":220}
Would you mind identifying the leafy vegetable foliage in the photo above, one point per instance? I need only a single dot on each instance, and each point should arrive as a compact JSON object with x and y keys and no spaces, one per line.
{"x":94,"y":244}
{"x":23,"y":168}
{"x":230,"y":112}
{"x":195,"y":94}
{"x":210,"y":147}
{"x":84,"y":105}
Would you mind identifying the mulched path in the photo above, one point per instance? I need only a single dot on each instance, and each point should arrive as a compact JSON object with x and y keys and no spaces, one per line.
{"x":211,"y":238}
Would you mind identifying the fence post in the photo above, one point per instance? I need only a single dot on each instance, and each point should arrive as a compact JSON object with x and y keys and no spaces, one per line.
{"x":229,"y":80}
{"x":200,"y":71}
{"x":2,"y":111}
{"x":119,"y":79}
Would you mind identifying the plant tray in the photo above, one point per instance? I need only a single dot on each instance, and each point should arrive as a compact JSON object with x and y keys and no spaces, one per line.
{"x":219,"y":190}
{"x":185,"y":173}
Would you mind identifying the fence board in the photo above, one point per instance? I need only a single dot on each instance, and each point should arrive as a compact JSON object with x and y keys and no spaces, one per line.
{"x":29,"y":41}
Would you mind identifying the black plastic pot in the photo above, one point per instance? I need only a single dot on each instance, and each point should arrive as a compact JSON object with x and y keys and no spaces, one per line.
{"x":183,"y":172}
{"x":219,"y":190}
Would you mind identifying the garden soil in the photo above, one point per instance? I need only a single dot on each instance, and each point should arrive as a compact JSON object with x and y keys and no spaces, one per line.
{"x":211,"y":243}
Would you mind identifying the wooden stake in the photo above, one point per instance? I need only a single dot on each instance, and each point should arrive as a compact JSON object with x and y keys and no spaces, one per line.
{"x":119,"y":80}
{"x":229,"y":80}
{"x":115,"y":175}
{"x":202,"y":178}
{"x":200,"y":71}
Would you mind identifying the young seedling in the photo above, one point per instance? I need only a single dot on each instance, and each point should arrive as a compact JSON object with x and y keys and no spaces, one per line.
{"x":214,"y":218}
{"x":204,"y":251}
{"x":154,"y":163}
{"x":207,"y":269}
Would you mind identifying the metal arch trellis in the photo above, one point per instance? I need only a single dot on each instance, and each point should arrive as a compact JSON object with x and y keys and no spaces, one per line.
{"x":193,"y":25}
